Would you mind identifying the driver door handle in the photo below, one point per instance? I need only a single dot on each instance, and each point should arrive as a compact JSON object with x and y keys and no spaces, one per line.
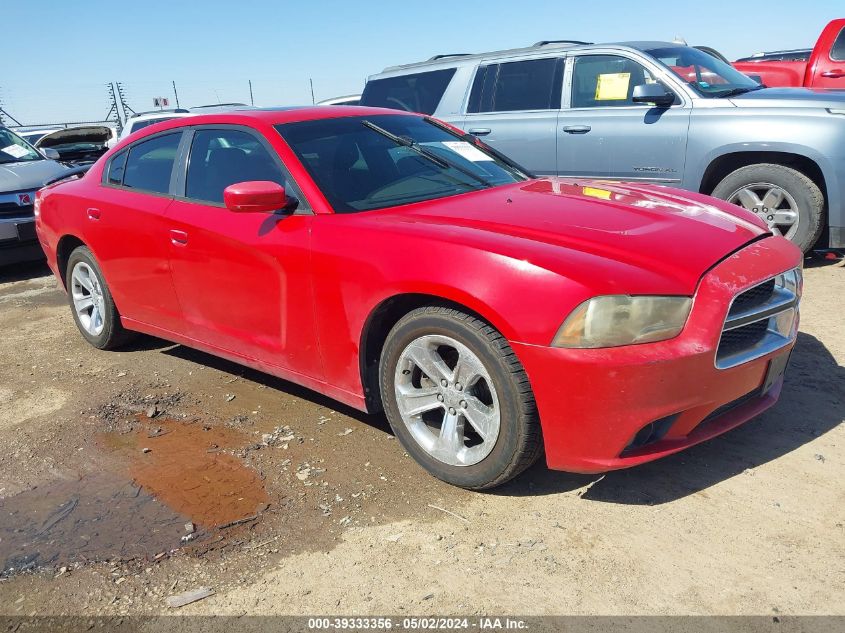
{"x":179,"y":238}
{"x":577,"y":129}
{"x":836,"y":73}
{"x":480,"y":131}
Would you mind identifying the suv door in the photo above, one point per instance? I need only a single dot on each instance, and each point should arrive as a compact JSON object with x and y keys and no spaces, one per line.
{"x":514,"y":106}
{"x":126,"y":227}
{"x":604,"y":134}
{"x":243,"y":279}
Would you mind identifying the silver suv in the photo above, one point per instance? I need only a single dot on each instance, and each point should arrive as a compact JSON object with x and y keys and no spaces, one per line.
{"x":645,"y":111}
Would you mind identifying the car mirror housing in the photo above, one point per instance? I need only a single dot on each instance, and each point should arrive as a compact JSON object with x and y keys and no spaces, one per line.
{"x":653,"y":93}
{"x":256,"y":196}
{"x":51,"y":153}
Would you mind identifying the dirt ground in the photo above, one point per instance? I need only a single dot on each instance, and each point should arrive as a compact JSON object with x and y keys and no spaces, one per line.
{"x":129,"y":477}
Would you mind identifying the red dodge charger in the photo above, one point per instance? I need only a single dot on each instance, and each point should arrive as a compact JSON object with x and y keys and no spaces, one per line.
{"x":393,"y":263}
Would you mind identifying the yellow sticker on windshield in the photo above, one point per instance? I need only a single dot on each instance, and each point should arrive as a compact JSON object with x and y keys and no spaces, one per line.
{"x":612,"y":86}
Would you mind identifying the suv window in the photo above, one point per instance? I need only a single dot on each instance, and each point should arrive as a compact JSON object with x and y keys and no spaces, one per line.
{"x":837,"y":53}
{"x":220,"y":158}
{"x":417,"y":92}
{"x":600,"y":81}
{"x":150,"y":163}
{"x":513,"y":86}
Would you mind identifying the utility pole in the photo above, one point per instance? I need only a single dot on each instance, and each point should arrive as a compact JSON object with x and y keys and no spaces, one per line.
{"x":311,"y":81}
{"x":176,"y":94}
{"x":113,"y":111}
{"x":122,"y":98}
{"x":251,"y":100}
{"x":5,"y":115}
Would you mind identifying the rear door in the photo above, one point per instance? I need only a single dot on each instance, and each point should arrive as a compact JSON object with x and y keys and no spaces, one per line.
{"x":514,"y":105}
{"x":127,"y":230}
{"x":243,"y":279}
{"x":604,"y":134}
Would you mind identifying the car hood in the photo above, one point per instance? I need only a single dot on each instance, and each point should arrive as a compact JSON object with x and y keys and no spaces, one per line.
{"x":791,"y":98}
{"x":86,"y":134}
{"x":29,"y":175}
{"x":676,"y":236}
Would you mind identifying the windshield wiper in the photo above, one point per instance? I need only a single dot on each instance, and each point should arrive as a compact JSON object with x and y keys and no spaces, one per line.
{"x":477,"y":142}
{"x":733,"y":92}
{"x":411,"y":144}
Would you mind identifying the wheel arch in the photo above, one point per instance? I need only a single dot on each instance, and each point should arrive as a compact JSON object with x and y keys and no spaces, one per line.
{"x":726,"y":164}
{"x":65,"y":246}
{"x":385,"y":315}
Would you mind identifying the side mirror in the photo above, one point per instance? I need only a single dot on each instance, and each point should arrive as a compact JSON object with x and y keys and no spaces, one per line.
{"x":255,"y":196}
{"x":50,"y":153}
{"x":653,"y":93}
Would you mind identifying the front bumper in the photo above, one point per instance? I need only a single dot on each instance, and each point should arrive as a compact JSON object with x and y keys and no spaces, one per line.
{"x":18,"y":241}
{"x":593,"y":402}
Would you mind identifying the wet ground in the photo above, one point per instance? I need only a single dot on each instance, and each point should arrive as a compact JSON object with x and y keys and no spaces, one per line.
{"x":130,"y":476}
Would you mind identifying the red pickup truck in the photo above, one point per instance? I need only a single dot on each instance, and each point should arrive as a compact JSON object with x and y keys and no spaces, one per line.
{"x":821,"y":67}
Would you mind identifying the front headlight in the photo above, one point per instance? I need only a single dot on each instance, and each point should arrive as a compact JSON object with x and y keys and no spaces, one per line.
{"x":615,"y":320}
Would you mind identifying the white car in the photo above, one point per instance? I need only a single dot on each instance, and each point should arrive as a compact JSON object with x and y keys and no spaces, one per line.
{"x":347,"y":100}
{"x":142,"y":120}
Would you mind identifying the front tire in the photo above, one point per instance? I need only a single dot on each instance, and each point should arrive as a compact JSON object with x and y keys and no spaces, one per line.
{"x":785,"y":199}
{"x":91,"y":302}
{"x":458,"y":399}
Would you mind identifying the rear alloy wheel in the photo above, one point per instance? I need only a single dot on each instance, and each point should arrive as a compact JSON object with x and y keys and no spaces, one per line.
{"x":93,"y":309}
{"x":789,"y":202}
{"x":458,"y":399}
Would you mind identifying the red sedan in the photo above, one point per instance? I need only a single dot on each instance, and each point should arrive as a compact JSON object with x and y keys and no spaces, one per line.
{"x":391,"y":262}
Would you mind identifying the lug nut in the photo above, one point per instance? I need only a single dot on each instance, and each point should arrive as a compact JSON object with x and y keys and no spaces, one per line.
{"x":452,"y":411}
{"x":440,"y":397}
{"x":463,"y":404}
{"x":443,"y":383}
{"x":458,"y":386}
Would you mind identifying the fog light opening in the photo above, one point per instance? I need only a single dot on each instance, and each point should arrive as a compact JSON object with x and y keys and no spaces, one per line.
{"x":651,"y":433}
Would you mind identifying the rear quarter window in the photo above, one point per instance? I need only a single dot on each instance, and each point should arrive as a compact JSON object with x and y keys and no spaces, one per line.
{"x":417,"y":92}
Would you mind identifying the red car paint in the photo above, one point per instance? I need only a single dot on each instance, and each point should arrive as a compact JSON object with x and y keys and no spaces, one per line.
{"x":821,"y":70}
{"x":297,"y":296}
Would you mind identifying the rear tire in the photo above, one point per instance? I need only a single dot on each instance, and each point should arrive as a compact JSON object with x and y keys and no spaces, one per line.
{"x":755,"y":187}
{"x":91,"y":302}
{"x":491,"y":418}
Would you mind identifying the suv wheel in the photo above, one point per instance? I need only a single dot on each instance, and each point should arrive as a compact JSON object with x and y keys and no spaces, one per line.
{"x":785,"y":199}
{"x":458,"y":399}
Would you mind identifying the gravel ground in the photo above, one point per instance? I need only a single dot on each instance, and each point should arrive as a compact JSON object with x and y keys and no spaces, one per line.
{"x":129,"y":477}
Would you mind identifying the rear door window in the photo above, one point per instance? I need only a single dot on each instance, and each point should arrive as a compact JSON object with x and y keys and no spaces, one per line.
{"x":533,"y":84}
{"x":417,"y":92}
{"x":837,"y":53}
{"x":150,"y":163}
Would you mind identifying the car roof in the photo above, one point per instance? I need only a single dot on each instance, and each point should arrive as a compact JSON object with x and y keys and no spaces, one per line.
{"x":460,"y":59}
{"x":270,"y":116}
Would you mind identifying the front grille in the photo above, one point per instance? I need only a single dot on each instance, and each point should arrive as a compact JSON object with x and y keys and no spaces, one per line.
{"x":10,"y":209}
{"x":760,"y":320}
{"x":753,"y":297}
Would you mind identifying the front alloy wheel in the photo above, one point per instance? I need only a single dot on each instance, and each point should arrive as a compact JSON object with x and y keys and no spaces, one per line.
{"x":458,"y":399}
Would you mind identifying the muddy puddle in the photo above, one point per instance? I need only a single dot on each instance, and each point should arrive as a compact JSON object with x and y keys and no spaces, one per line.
{"x":169,"y":483}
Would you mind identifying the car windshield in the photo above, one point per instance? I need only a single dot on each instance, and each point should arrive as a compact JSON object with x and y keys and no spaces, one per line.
{"x":708,"y":76}
{"x":13,"y":149}
{"x":363,"y":163}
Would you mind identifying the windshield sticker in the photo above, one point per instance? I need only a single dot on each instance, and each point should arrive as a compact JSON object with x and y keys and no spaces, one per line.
{"x":612,"y":86}
{"x":467,"y":151}
{"x":15,"y":151}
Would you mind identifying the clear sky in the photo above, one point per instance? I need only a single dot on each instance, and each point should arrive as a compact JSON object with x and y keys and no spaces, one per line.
{"x":60,"y":55}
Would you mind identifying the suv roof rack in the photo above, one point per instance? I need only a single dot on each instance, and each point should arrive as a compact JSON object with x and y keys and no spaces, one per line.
{"x":573,"y":42}
{"x":436,"y":57}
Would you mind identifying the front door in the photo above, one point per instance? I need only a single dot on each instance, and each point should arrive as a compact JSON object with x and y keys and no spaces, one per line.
{"x":243,"y":279}
{"x":513,"y":107}
{"x":604,"y":134}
